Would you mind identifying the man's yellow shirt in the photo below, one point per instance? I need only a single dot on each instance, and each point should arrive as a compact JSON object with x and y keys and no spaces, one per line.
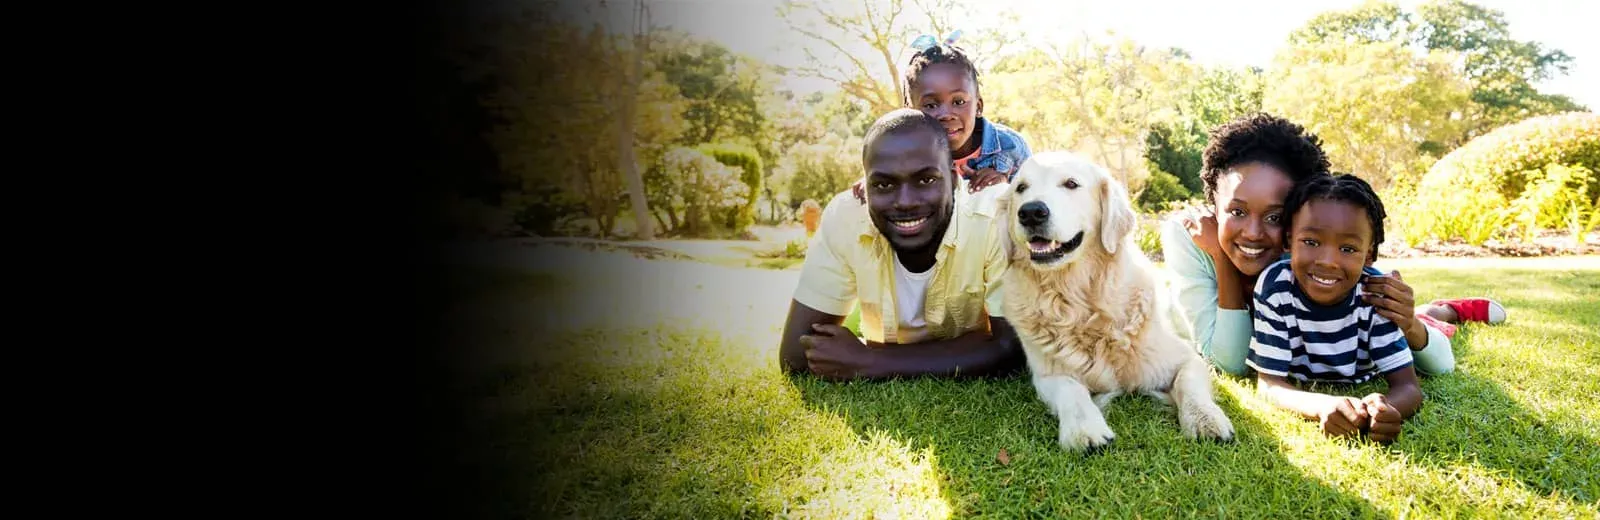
{"x":848,"y":261}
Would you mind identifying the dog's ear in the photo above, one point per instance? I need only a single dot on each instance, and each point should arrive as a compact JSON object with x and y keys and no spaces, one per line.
{"x":1004,"y":223}
{"x":1117,"y":217}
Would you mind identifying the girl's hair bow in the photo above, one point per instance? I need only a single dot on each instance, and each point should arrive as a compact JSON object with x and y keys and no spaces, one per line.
{"x":925,"y":41}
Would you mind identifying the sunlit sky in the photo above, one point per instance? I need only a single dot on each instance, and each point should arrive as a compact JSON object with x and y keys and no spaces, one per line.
{"x":1233,"y":32}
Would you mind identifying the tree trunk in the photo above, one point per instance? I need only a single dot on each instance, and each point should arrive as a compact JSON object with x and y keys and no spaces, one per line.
{"x":661,"y":220}
{"x":630,"y":98}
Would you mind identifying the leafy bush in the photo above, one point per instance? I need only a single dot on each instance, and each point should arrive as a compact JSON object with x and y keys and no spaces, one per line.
{"x":819,"y":171}
{"x":543,"y":209}
{"x":748,"y":160}
{"x":1478,"y":189}
{"x":1160,"y":189}
{"x":1560,"y":198}
{"x":791,"y":249}
{"x":710,"y":189}
{"x":1148,"y":236}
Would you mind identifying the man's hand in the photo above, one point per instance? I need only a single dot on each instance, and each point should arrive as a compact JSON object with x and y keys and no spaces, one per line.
{"x":1391,"y":298}
{"x":1384,"y":420}
{"x":1343,"y":416}
{"x":980,"y":179}
{"x":834,"y":353}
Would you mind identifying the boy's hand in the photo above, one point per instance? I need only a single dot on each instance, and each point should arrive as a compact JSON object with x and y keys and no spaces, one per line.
{"x":1391,"y":298}
{"x":857,"y":190}
{"x":1343,"y":416}
{"x":1385,"y":420}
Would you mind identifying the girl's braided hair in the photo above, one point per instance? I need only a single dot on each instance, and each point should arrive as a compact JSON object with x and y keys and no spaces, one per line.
{"x":934,"y":55}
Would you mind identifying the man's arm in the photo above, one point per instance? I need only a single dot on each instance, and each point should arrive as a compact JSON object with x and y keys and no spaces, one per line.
{"x":791,"y":353}
{"x":815,"y":343}
{"x":974,"y":354}
{"x":1222,"y":334}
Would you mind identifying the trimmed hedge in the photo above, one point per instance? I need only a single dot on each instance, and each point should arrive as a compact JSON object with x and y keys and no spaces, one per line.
{"x":1470,"y":192}
{"x":748,"y":160}
{"x":1498,"y":159}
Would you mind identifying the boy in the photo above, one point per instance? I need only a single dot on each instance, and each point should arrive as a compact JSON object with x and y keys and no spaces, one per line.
{"x":1311,"y":323}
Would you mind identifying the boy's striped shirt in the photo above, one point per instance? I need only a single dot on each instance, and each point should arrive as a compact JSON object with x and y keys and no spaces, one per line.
{"x":1298,"y":339}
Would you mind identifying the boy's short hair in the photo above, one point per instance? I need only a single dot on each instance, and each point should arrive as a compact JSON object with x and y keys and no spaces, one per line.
{"x":1342,"y":187}
{"x":934,"y":55}
{"x":1265,"y":138}
{"x":904,"y":120}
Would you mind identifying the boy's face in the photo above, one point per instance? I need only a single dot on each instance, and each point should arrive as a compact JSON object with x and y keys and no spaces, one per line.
{"x":947,"y":93}
{"x":1250,"y":217}
{"x":1330,"y":243}
{"x":910,"y":195}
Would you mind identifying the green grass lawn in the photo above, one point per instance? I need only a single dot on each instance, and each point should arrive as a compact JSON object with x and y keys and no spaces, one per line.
{"x":671,"y":423}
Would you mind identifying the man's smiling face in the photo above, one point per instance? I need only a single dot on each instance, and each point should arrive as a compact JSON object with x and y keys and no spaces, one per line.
{"x":910,"y":192}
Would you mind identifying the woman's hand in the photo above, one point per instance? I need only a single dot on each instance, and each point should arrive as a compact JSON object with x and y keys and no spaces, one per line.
{"x":1203,"y":231}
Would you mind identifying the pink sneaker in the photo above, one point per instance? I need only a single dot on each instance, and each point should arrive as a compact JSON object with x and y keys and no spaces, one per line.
{"x":1449,"y":330}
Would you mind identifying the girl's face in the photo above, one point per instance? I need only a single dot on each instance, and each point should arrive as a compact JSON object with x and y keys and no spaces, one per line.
{"x":1249,"y":208}
{"x":947,"y":93}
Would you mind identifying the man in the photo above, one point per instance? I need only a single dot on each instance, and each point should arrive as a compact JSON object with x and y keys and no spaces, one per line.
{"x":924,"y":262}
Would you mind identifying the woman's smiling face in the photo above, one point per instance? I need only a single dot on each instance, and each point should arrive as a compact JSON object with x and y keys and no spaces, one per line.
{"x":1249,"y":208}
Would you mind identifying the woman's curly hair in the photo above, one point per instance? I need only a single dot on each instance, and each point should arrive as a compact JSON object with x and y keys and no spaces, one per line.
{"x":1265,"y":138}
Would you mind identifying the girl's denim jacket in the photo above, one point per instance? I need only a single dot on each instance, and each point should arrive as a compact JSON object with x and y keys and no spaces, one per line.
{"x":1003,"y":149}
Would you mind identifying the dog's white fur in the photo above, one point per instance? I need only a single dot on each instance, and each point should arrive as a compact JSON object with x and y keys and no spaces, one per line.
{"x":1094,"y":323}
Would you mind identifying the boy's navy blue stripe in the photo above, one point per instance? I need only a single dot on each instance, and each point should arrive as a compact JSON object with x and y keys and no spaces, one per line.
{"x":1344,"y":333}
{"x":1357,"y":341}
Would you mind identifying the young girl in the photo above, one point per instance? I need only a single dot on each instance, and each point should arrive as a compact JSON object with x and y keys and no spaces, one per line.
{"x":942,"y":82}
{"x":1312,"y":323}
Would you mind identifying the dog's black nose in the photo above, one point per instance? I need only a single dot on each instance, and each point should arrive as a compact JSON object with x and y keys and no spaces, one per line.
{"x":1033,"y":213}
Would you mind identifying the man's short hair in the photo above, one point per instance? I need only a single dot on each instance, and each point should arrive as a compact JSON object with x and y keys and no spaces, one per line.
{"x":903,"y":120}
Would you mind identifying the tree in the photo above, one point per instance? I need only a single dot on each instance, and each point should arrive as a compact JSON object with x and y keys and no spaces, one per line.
{"x":1095,"y":97}
{"x":724,"y":90}
{"x":1217,"y":95}
{"x":1376,"y":106}
{"x":615,"y":112}
{"x":863,"y":46}
{"x":631,"y":75}
{"x":1501,"y":70}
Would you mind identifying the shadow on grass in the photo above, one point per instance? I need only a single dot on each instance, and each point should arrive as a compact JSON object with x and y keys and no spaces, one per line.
{"x":1469,"y":420}
{"x":1524,"y":391}
{"x":1151,"y":471}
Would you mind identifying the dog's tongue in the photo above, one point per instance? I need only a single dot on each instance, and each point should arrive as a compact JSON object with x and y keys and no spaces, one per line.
{"x":1041,"y":245}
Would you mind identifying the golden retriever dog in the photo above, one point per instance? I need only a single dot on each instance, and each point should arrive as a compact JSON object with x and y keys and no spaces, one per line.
{"x":1087,"y":307}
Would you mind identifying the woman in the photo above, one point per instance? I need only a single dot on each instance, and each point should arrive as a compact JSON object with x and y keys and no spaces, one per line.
{"x":1249,"y":166}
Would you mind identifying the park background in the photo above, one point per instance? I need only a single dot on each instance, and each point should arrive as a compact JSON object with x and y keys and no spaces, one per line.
{"x":635,"y":171}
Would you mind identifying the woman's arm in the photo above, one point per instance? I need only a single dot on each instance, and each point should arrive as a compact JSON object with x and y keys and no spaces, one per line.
{"x":1223,"y":334}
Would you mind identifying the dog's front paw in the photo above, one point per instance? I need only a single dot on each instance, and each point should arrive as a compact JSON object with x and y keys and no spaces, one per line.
{"x":1206,"y":421}
{"x":1091,"y":435}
